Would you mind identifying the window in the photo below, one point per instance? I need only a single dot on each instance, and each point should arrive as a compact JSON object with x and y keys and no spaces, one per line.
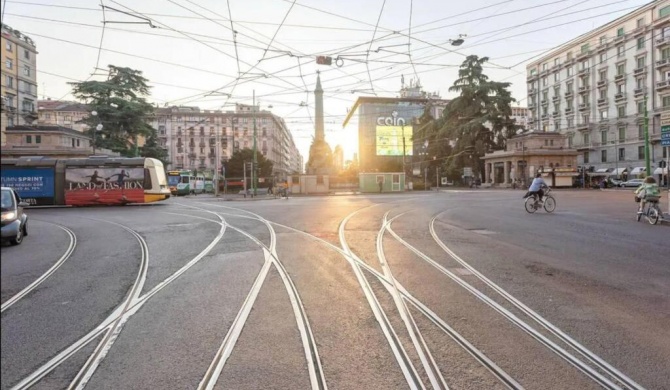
{"x":568,"y":56}
{"x":640,"y":152}
{"x":38,"y":139}
{"x":603,"y":93}
{"x":585,"y":48}
{"x":557,"y":107}
{"x":666,"y":32}
{"x":621,"y":111}
{"x":29,"y":139}
{"x":557,"y":78}
{"x":9,"y":100}
{"x":556,"y":61}
{"x":666,"y":101}
{"x":26,"y":54}
{"x":8,"y":46}
{"x":9,"y":81}
{"x":622,"y":154}
{"x":545,"y":127}
{"x":603,"y":40}
{"x":640,"y":107}
{"x":585,"y":119}
{"x":603,"y":114}
{"x":570,"y":140}
{"x":26,"y":70}
{"x":603,"y":136}
{"x":9,"y":64}
{"x":640,"y":22}
{"x":602,"y":75}
{"x":545,"y":96}
{"x":569,"y":70}
{"x":622,"y":134}
{"x":569,"y":104}
{"x":603,"y":155}
{"x":570,"y":85}
{"x":586,"y":157}
{"x":557,"y":91}
{"x":620,"y":51}
{"x":571,"y":122}
{"x":544,"y":81}
{"x":640,"y":43}
{"x":78,"y":143}
{"x":585,"y":64}
{"x":73,"y":143}
{"x":665,"y":53}
{"x":621,"y":88}
{"x":587,"y":139}
{"x":603,"y":58}
{"x":533,"y":71}
{"x":663,"y":12}
{"x":640,"y":132}
{"x":620,"y":69}
{"x":641,"y":61}
{"x":28,"y":106}
{"x":619,"y":32}
{"x":557,"y":126}
{"x":544,"y":66}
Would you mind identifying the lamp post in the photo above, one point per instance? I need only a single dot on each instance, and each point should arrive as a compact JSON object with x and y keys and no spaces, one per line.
{"x":97,"y":129}
{"x":615,"y":142}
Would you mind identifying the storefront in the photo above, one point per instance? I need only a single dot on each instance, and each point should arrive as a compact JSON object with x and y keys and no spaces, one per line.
{"x":559,"y":177}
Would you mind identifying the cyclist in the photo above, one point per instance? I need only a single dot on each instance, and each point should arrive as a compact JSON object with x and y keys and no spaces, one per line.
{"x":536,"y":187}
{"x":648,"y":189}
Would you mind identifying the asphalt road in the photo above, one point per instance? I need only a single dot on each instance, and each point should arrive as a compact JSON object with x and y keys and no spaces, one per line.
{"x":458,"y":289}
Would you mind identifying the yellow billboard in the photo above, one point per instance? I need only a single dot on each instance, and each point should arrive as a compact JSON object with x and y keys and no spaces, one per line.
{"x":389,"y":140}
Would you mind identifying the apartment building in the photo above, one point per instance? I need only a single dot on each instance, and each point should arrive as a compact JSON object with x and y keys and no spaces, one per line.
{"x":593,"y":89}
{"x":19,"y":80}
{"x":191,"y":135}
{"x":520,"y":114}
{"x":62,"y":113}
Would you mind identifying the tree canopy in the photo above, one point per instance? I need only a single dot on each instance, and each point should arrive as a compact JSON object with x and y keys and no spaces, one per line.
{"x":122,"y":109}
{"x":235,"y":165}
{"x":479,"y":118}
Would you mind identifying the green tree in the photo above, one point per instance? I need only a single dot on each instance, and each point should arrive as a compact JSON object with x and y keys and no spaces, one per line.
{"x":480,"y":117}
{"x":235,"y":165}
{"x":152,"y":149}
{"x":121,"y":108}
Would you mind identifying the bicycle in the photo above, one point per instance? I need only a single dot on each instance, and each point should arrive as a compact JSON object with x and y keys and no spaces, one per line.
{"x":533,"y":204}
{"x":653,"y":212}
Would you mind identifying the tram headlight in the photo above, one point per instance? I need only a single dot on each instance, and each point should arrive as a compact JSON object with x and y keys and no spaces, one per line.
{"x":8,"y":216}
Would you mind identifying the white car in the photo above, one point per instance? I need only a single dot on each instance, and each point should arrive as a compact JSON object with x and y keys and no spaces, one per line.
{"x":632,"y":183}
{"x":14,"y":220}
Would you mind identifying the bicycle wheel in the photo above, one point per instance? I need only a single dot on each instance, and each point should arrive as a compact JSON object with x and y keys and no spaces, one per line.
{"x":549,"y":204}
{"x":653,"y":215}
{"x":530,"y":205}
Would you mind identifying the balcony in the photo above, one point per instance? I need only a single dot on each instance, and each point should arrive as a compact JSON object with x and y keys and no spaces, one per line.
{"x":639,"y":31}
{"x":640,"y":91}
{"x":620,"y":38}
{"x":583,"y":126}
{"x":602,"y":102}
{"x":583,"y":71}
{"x":544,"y":102}
{"x":584,"y":88}
{"x":662,"y":41}
{"x":529,"y":78}
{"x":531,"y":106}
{"x":662,"y":63}
{"x":569,"y":111}
{"x":532,"y":91}
{"x":556,"y":98}
{"x":545,"y":117}
{"x":640,"y":70}
{"x":602,"y":83}
{"x":555,"y":114}
{"x":583,"y":147}
{"x":191,"y":155}
{"x":619,"y":77}
{"x":568,"y":94}
{"x":602,"y":47}
{"x":620,"y":97}
{"x":663,"y":85}
{"x":583,"y":106}
{"x":584,"y":54}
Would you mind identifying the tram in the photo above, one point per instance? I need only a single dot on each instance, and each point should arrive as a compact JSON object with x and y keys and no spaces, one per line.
{"x":96,"y":180}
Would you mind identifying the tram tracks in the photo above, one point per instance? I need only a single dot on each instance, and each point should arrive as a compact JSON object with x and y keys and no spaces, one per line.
{"x":111,"y":326}
{"x":68,"y":252}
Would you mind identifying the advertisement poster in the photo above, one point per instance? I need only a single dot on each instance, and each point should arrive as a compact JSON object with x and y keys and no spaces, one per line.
{"x":35,"y":186}
{"x":104,"y":186}
{"x":389,"y":141}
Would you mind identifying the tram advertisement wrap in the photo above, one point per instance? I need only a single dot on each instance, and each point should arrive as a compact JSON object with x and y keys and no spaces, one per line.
{"x":34,"y":185}
{"x":106,"y":186}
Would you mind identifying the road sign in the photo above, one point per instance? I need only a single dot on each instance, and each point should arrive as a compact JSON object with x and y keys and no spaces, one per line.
{"x":665,"y":128}
{"x":665,"y":142}
{"x":467,"y":171}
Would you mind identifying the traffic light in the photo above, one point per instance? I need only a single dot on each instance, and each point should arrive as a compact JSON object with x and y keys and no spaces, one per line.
{"x":662,"y":164}
{"x":324,"y":60}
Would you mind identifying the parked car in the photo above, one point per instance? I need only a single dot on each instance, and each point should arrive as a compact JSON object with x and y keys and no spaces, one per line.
{"x":615,"y":182}
{"x":14,"y":220}
{"x":632,"y":183}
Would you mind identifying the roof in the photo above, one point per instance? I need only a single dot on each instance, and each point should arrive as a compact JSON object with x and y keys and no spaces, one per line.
{"x":46,"y":129}
{"x":61,"y":105}
{"x":388,"y":100}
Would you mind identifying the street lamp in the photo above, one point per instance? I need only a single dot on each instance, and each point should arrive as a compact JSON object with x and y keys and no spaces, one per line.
{"x":97,"y":128}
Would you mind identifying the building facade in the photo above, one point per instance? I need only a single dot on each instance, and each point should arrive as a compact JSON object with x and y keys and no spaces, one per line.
{"x":19,"y":80}
{"x":521,"y":114}
{"x":593,"y":89}
{"x":62,"y":113}
{"x":386,"y":126}
{"x":50,"y":141}
{"x":191,"y":135}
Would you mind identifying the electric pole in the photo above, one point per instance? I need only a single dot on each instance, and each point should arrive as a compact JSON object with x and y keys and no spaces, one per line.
{"x":254,"y":173}
{"x":647,"y":162}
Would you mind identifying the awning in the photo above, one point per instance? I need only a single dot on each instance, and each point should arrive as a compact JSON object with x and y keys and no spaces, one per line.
{"x":601,"y":170}
{"x":661,"y":171}
{"x":618,"y":172}
{"x":637,"y":170}
{"x":597,"y":173}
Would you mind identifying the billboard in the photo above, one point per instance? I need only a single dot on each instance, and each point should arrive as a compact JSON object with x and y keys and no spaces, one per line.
{"x":105,"y":186}
{"x":389,"y":140}
{"x":34,"y":185}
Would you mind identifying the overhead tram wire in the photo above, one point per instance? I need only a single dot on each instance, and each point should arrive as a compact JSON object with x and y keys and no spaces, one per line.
{"x":409,"y":40}
{"x":381,"y":11}
{"x":232,"y":30}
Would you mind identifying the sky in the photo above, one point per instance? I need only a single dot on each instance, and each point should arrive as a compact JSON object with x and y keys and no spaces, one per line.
{"x":216,"y":53}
